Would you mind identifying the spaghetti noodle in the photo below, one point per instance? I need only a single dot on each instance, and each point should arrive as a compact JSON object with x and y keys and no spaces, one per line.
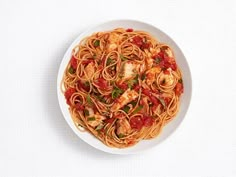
{"x":122,"y":86}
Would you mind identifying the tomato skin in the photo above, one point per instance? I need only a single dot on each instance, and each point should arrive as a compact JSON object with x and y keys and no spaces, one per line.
{"x":123,"y":86}
{"x":154,"y":100}
{"x":83,"y":86}
{"x":136,"y":123}
{"x":137,"y":40}
{"x":129,"y":30}
{"x":146,"y":92}
{"x":145,"y":46}
{"x":137,"y":88}
{"x":86,"y":62}
{"x":109,"y":120}
{"x":73,"y":62}
{"x":165,"y":61}
{"x":79,"y":107}
{"x":179,"y":89}
{"x":167,"y":100}
{"x":68,"y":93}
{"x":102,"y":83}
{"x":148,"y":121}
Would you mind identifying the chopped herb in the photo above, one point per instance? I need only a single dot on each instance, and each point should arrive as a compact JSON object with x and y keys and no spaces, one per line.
{"x":121,"y":135}
{"x":123,"y":58}
{"x":87,"y":84}
{"x":91,"y":119}
{"x":158,"y":60}
{"x":79,"y":125}
{"x":162,"y":102}
{"x":99,"y":127}
{"x":71,"y":70}
{"x":109,"y":61}
{"x":94,"y":56}
{"x":86,"y":112}
{"x":116,"y":92}
{"x":96,"y":43}
{"x":88,"y":99}
{"x":143,"y":76}
{"x":101,"y":98}
{"x":126,"y":108}
{"x":137,"y":109}
{"x":131,"y":83}
{"x":133,"y":103}
{"x":180,"y":81}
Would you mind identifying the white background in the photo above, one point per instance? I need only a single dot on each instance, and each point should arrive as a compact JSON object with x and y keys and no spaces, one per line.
{"x":35,"y":140}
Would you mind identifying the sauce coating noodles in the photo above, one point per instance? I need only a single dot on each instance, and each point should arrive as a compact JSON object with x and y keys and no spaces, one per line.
{"x":122,"y":86}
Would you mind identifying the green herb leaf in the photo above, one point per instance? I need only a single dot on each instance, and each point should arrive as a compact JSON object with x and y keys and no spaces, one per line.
{"x":94,"y":56}
{"x":162,"y":102}
{"x":137,"y":109}
{"x":96,"y":43}
{"x":130,"y":85}
{"x":86,"y":112}
{"x":123,"y":58}
{"x":101,"y":98}
{"x":126,"y":108}
{"x":91,"y":119}
{"x":143,"y":76}
{"x":99,"y":127}
{"x":133,"y":82}
{"x":71,"y":70}
{"x":116,"y":92}
{"x":109,"y":61}
{"x":158,"y":60}
{"x":133,"y":103}
{"x":88,"y":99}
{"x":87,"y":84}
{"x":121,"y":135}
{"x":180,"y":81}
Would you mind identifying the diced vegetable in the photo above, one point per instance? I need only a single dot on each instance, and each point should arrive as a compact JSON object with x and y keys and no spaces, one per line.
{"x":86,"y":112}
{"x":71,"y":70}
{"x":136,"y":123}
{"x":121,"y":135}
{"x":102,"y":83}
{"x":88,"y":99}
{"x":126,"y":108}
{"x":123,"y":58}
{"x":116,"y":92}
{"x":96,"y":43}
{"x":109,"y":61}
{"x":109,"y":120}
{"x":79,"y":106}
{"x":143,"y":77}
{"x":179,"y":88}
{"x":158,"y":60}
{"x":73,"y":62}
{"x":137,"y":109}
{"x":91,"y":119}
{"x":129,"y":30}
{"x":132,"y":82}
{"x":162,"y":101}
{"x":99,"y":127}
{"x":147,"y":121}
{"x":68,"y":93}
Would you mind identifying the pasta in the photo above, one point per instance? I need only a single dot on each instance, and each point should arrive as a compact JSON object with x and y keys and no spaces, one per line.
{"x":122,"y":86}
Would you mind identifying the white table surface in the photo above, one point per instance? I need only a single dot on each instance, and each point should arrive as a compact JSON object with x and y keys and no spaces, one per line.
{"x":35,"y":140}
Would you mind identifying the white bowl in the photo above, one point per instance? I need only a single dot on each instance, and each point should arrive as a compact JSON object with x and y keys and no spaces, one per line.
{"x":185,"y":99}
